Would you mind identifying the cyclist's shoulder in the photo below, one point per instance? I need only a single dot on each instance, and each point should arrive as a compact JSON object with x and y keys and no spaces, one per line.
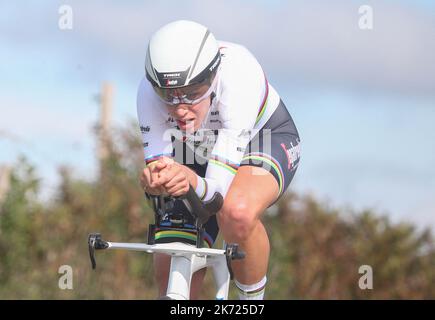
{"x":144,"y":95}
{"x":239,"y":68}
{"x":225,"y":46}
{"x":232,"y":48}
{"x":236,"y":56}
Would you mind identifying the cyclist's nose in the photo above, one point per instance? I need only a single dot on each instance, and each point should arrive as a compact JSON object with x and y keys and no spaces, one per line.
{"x":181,"y":110}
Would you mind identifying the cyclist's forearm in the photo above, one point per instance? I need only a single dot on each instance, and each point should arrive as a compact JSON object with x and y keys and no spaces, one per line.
{"x":191,"y":176}
{"x":204,"y":187}
{"x":207,"y":187}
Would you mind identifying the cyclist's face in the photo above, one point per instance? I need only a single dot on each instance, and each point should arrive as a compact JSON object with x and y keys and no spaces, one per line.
{"x":190,"y":117}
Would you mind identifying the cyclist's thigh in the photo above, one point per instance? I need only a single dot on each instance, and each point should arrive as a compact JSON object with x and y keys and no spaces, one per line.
{"x":275,"y":149}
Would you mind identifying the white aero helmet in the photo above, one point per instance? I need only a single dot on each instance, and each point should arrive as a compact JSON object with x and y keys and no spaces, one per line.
{"x":182,"y":62}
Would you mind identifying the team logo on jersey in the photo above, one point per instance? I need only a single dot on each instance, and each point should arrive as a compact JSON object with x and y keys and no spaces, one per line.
{"x":144,"y":129}
{"x":170,"y":119}
{"x":293,"y":154}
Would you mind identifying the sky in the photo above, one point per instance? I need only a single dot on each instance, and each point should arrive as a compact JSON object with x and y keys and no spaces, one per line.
{"x":363,"y":100}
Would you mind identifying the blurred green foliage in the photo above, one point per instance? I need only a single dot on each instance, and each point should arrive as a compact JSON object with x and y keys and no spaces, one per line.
{"x":316,"y":251}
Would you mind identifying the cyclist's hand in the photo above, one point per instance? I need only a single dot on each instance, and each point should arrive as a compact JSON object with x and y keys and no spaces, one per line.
{"x":149,"y":178}
{"x":174,"y":179}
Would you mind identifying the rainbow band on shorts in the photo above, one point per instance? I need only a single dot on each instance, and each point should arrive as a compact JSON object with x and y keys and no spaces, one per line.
{"x":224,"y":163}
{"x":271,"y":161}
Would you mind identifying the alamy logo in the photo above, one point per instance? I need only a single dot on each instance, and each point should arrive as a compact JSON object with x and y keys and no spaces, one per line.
{"x":66,"y":280}
{"x":66,"y":18}
{"x":366,"y":280}
{"x":244,"y":133}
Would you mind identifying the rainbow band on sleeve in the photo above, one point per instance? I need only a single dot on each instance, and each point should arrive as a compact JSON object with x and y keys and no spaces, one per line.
{"x":271,"y":161}
{"x":264,"y":102}
{"x":151,"y":159}
{"x":224,"y":163}
{"x":204,"y":192}
{"x":190,"y":236}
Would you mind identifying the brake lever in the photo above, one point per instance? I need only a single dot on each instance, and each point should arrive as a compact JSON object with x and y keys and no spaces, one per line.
{"x":232,"y":252}
{"x":95,"y":243}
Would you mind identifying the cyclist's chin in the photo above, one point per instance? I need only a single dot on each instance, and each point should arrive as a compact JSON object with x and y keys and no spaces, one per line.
{"x":188,"y":126}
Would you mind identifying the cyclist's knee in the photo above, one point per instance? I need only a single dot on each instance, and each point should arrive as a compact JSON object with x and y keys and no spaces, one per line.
{"x":237,"y":219}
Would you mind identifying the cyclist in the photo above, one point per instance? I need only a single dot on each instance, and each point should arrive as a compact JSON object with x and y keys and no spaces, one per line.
{"x":210,"y":118}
